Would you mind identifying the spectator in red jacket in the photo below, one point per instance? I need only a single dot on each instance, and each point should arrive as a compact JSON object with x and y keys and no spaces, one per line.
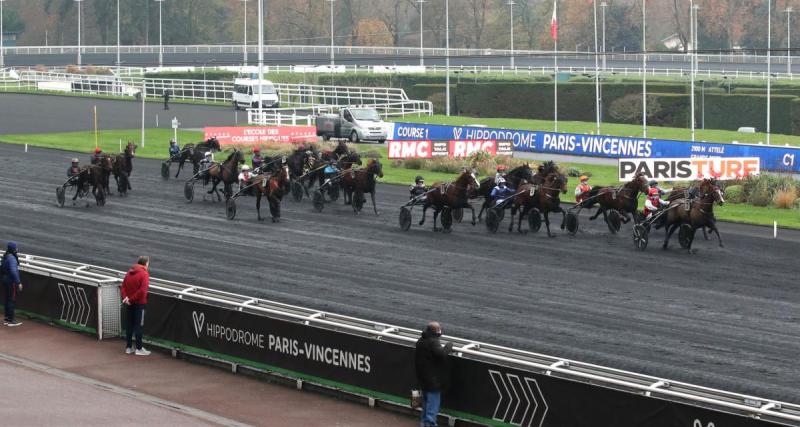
{"x":134,"y":295}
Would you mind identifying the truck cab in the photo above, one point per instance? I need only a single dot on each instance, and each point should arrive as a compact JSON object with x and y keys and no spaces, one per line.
{"x":250,"y":93}
{"x":354,"y":123}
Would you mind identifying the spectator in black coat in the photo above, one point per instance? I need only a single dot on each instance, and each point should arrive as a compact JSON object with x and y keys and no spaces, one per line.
{"x":430,"y":361}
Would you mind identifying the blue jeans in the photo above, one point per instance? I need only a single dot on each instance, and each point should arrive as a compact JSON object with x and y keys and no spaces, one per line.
{"x":430,"y":408}
{"x":135,"y":325}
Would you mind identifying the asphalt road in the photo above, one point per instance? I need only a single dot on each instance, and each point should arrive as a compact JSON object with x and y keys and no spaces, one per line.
{"x":726,"y":318}
{"x":68,"y":113}
{"x":212,"y":59}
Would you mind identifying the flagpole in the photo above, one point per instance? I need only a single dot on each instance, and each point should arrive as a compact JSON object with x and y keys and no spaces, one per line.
{"x":554,"y":35}
{"x":644,"y":68}
{"x":596,"y":70}
{"x":769,"y":66}
{"x":692,"y":56}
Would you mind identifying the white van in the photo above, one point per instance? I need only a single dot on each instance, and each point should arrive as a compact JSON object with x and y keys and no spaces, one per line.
{"x":246,"y":94}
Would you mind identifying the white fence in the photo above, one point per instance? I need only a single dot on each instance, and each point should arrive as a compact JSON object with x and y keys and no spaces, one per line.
{"x":389,"y":101}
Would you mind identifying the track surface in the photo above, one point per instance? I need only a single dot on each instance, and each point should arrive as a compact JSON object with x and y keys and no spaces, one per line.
{"x":725,"y":317}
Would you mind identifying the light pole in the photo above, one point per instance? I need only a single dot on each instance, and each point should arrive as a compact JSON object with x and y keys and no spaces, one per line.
{"x":332,"y":61}
{"x":788,"y":12}
{"x":79,"y":31}
{"x":118,"y":44}
{"x":769,"y":67}
{"x":244,"y":43}
{"x":511,"y":12}
{"x":703,"y":104}
{"x":692,"y":17}
{"x":447,"y":54}
{"x":2,"y":39}
{"x":596,"y":73}
{"x":260,"y":60}
{"x":604,"y":6}
{"x":160,"y":44}
{"x":421,"y":54}
{"x":644,"y":68}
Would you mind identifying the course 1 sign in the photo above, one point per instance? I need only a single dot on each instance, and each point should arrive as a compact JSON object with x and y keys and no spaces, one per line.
{"x":773,"y":158}
{"x":426,"y":149}
{"x":690,"y":169}
{"x":243,"y":135}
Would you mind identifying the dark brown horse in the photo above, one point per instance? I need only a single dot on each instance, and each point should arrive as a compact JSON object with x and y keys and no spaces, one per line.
{"x":624,"y":200}
{"x":451,"y":195}
{"x":226,"y":173}
{"x":195,"y":153}
{"x":274,"y":187}
{"x":357,"y":183}
{"x":94,"y":176}
{"x":699,"y":215}
{"x":122,"y":167}
{"x":514,"y":178}
{"x":683,"y":193}
{"x":543,"y":198}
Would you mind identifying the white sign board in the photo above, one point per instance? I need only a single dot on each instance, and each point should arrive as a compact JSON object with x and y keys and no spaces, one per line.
{"x":690,"y":169}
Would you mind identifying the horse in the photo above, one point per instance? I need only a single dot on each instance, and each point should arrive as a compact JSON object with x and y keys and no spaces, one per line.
{"x":514,"y":178}
{"x":624,"y":200}
{"x":699,"y":215}
{"x":226,"y":172}
{"x":543,"y":197}
{"x":93,"y":175}
{"x":195,"y":153}
{"x":452,"y":195}
{"x":274,"y":187}
{"x":357,"y":183}
{"x":681,"y":193}
{"x":122,"y":164}
{"x":340,"y":150}
{"x":300,"y":162}
{"x":106,"y":163}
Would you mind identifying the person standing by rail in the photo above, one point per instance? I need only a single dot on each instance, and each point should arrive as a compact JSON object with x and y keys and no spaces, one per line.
{"x":9,"y":273}
{"x":134,"y":296}
{"x":430,"y":361}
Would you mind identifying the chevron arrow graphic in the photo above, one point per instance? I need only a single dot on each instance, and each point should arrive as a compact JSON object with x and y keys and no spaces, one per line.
{"x":87,"y":308}
{"x":520,"y":400}
{"x":73,"y":300}
{"x":62,"y":291}
{"x":75,"y":306}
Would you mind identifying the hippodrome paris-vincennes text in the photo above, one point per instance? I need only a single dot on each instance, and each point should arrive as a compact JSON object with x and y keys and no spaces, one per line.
{"x":291,"y":347}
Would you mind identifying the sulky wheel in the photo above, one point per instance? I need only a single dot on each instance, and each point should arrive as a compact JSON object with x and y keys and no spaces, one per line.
{"x":318,"y":200}
{"x":458,"y":214}
{"x":358,"y":202}
{"x":614,"y":222}
{"x":333,"y":192}
{"x":297,"y":191}
{"x":447,"y":218}
{"x":640,"y":236}
{"x":60,"y":196}
{"x":188,"y":191}
{"x":501,"y":213}
{"x":165,"y":170}
{"x":405,"y":218}
{"x":493,"y":219}
{"x":230,"y":208}
{"x":685,"y":236}
{"x":100,"y":197}
{"x":534,"y":220}
{"x":572,"y":223}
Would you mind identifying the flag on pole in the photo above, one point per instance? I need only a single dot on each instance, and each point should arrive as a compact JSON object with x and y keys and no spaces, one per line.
{"x":554,"y":23}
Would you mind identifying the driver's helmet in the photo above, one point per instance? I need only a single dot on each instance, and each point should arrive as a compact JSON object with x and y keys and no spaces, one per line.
{"x":501,"y":168}
{"x":419,"y":179}
{"x":171,"y":141}
{"x":652,"y":183}
{"x":97,"y":150}
{"x":74,"y":160}
{"x":257,"y":150}
{"x":245,"y":168}
{"x":208,"y":154}
{"x":501,"y":180}
{"x":653,"y":192}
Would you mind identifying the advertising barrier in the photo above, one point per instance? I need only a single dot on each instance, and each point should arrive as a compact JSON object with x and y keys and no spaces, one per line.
{"x":261,"y":134}
{"x":773,"y":158}
{"x":689,"y":169}
{"x":486,"y":384}
{"x":426,"y":149}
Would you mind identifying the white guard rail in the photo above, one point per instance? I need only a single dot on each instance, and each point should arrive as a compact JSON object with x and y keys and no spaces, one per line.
{"x":785,"y":413}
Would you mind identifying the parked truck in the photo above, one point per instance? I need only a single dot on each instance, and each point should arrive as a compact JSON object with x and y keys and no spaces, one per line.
{"x":354,"y":123}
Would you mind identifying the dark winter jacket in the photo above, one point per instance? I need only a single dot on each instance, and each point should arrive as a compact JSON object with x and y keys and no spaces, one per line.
{"x":136,"y":284}
{"x":430,"y":361}
{"x":9,"y":269}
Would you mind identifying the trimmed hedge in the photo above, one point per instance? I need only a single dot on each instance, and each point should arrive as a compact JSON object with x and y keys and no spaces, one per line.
{"x":733,"y":111}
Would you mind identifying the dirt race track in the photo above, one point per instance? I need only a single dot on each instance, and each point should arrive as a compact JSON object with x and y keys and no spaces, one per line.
{"x":725,"y":317}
